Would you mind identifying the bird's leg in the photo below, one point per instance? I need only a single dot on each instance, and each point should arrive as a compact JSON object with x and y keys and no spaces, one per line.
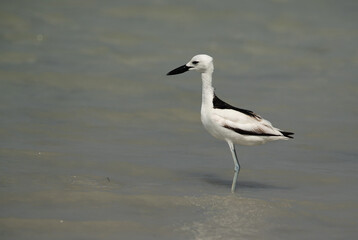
{"x":237,"y":166}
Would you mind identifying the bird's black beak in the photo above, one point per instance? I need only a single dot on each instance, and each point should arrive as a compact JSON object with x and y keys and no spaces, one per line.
{"x":179,"y":70}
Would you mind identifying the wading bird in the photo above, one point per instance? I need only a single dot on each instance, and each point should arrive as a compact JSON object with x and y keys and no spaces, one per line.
{"x":226,"y":122}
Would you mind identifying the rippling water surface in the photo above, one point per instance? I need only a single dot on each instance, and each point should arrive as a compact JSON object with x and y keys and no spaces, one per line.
{"x":97,"y":143}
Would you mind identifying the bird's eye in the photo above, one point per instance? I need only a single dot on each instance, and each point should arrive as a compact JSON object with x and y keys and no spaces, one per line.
{"x":195,"y":62}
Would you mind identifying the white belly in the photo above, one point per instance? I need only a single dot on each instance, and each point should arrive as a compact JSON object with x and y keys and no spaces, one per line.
{"x":218,"y":131}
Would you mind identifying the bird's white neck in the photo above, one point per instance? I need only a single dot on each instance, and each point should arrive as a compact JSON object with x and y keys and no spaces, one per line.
{"x":207,"y":89}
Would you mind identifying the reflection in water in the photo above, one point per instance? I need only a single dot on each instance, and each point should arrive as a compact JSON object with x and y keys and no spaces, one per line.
{"x":215,"y":180}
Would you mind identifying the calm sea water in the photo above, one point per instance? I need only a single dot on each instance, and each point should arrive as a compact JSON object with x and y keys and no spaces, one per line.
{"x":97,"y":143}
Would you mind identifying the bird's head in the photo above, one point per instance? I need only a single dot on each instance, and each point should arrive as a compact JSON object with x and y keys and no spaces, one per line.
{"x":201,"y":63}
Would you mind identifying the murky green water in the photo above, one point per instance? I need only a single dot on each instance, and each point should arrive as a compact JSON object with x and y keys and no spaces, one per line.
{"x":97,"y":143}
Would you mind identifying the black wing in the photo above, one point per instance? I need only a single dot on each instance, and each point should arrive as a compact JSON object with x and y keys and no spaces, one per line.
{"x":258,"y":133}
{"x":218,"y":103}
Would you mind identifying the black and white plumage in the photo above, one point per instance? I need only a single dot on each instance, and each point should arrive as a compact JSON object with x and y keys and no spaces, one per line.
{"x":226,"y":122}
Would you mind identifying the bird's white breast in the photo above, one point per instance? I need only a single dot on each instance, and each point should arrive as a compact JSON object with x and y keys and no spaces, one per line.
{"x":210,"y":123}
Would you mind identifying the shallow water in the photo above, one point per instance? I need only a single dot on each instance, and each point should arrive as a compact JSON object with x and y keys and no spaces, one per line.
{"x":97,"y":143}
